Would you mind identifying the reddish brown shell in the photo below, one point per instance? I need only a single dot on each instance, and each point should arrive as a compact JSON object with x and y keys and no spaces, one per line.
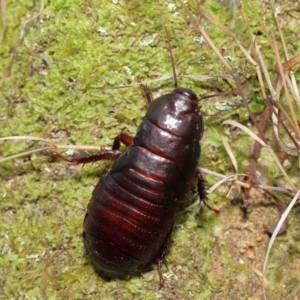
{"x":130,"y":217}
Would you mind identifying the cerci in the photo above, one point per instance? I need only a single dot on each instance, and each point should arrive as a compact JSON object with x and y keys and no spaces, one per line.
{"x":130,"y":217}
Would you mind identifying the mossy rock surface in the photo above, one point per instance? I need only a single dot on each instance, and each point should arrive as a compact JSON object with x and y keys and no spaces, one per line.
{"x":74,"y":79}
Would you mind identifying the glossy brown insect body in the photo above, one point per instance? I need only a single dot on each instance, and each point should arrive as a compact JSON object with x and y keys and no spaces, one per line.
{"x":130,"y":216}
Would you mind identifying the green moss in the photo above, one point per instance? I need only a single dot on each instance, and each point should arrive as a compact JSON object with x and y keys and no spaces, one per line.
{"x":65,"y":84}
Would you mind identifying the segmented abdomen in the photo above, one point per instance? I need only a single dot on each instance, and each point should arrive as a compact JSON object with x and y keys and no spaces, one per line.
{"x":130,"y":216}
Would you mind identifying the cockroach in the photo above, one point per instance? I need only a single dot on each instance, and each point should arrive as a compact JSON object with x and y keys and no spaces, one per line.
{"x":130,"y":217}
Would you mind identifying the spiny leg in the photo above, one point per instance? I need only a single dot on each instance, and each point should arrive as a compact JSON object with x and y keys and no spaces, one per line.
{"x":161,"y":257}
{"x":161,"y":277}
{"x":104,"y":154}
{"x":202,"y":191}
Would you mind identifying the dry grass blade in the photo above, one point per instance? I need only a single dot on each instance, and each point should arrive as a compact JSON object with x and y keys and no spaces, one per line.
{"x":226,"y":179}
{"x":215,"y":49}
{"x":293,"y":87}
{"x":275,"y":92}
{"x":28,"y":138}
{"x":287,"y":95}
{"x":254,"y":136}
{"x":52,"y":146}
{"x":289,"y":149}
{"x":273,"y":237}
{"x":233,"y":73}
{"x":265,"y":72}
{"x":228,"y":149}
{"x":216,"y":22}
{"x":275,"y":95}
{"x":27,"y":153}
{"x":232,"y":178}
{"x":275,"y":14}
{"x":247,"y":185}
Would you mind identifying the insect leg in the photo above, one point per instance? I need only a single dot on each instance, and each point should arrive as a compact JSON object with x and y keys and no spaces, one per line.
{"x":104,"y":154}
{"x":161,"y":257}
{"x":161,"y":277}
{"x":124,"y":138}
{"x":147,"y":91}
{"x":202,"y":191}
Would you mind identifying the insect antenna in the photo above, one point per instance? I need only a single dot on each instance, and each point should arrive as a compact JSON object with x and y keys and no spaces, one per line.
{"x":172,"y":59}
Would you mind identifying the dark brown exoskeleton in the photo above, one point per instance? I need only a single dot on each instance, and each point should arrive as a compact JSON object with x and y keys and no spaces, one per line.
{"x":130,"y":217}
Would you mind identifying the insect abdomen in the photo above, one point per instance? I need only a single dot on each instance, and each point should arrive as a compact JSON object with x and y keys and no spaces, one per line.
{"x":132,"y":210}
